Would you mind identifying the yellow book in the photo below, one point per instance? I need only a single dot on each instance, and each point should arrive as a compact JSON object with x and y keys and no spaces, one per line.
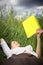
{"x":30,"y":26}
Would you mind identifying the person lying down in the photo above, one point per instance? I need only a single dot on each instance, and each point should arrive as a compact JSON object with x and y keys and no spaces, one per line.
{"x":19,"y":54}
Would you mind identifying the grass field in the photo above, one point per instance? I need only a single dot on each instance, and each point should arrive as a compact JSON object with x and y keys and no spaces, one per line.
{"x":12,"y":29}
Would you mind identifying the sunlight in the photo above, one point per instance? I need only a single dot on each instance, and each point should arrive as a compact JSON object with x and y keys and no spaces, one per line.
{"x":14,"y":2}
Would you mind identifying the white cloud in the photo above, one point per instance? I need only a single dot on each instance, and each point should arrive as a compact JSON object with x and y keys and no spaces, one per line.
{"x":14,"y":2}
{"x":20,"y":10}
{"x":8,"y":2}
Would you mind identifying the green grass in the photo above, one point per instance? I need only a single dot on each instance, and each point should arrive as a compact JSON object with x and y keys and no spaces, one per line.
{"x":12,"y":29}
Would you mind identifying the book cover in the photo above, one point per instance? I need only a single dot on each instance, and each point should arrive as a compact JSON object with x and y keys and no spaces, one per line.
{"x":31,"y":25}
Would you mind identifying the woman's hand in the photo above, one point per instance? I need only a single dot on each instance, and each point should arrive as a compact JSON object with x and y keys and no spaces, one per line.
{"x":39,"y":32}
{"x":1,"y":39}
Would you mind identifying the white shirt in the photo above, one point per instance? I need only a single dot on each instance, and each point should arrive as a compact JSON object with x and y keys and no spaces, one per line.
{"x":18,"y":50}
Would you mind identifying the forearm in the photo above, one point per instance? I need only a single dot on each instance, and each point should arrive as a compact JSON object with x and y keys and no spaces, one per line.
{"x":38,"y":49}
{"x":5,"y":48}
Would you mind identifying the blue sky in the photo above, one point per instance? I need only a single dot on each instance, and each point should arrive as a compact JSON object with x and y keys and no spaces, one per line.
{"x":30,"y":3}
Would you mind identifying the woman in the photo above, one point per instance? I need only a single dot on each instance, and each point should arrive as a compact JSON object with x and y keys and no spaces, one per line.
{"x":22,"y":55}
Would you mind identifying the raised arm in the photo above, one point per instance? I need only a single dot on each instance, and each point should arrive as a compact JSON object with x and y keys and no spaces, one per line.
{"x":38,"y":48}
{"x":5,"y":47}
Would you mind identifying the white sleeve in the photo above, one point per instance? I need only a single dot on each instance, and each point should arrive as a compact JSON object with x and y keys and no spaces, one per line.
{"x":29,"y":48}
{"x":5,"y":48}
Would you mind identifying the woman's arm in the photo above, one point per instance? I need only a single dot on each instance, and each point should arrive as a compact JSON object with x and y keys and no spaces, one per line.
{"x":5,"y":47}
{"x":38,"y":49}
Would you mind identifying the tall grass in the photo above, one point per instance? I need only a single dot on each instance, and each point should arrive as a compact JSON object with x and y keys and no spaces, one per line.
{"x":11,"y":29}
